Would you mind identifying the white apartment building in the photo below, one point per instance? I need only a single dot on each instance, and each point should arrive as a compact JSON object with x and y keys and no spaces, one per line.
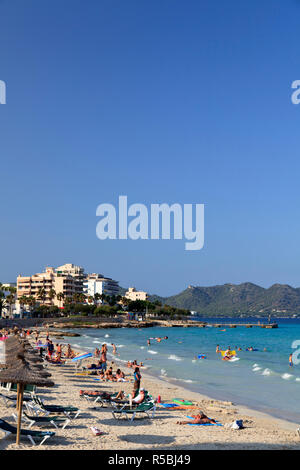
{"x":9,"y":310}
{"x":67,"y":279}
{"x":98,"y":284}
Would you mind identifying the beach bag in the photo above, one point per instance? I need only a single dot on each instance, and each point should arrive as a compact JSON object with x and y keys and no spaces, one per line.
{"x":96,"y":431}
{"x":238,"y":424}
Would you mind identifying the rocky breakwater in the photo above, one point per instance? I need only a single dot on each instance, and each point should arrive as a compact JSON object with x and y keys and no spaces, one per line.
{"x":102,"y":325}
{"x":180,"y":323}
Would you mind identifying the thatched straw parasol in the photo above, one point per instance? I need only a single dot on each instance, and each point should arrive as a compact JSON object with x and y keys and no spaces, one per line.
{"x":22,"y":374}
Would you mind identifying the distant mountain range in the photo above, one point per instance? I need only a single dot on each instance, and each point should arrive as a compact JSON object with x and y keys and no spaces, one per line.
{"x":233,"y":300}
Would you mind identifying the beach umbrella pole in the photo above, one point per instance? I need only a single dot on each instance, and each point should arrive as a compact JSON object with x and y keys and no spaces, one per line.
{"x":20,"y":391}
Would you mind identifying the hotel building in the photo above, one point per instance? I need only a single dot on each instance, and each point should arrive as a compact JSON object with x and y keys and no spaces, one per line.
{"x":98,"y":284}
{"x":133,"y":294}
{"x":67,"y":279}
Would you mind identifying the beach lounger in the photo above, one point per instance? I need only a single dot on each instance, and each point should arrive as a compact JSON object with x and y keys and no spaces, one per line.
{"x":101,"y":399}
{"x":11,"y":401}
{"x":13,"y":388}
{"x":54,"y":420}
{"x":147,"y":409}
{"x":121,"y":404}
{"x":9,"y":429}
{"x":70,"y":411}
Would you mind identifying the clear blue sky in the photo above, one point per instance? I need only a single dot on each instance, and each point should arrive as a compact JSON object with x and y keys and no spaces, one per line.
{"x":163,"y":101}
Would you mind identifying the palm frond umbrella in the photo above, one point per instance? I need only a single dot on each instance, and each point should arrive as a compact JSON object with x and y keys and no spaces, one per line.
{"x":21,"y":373}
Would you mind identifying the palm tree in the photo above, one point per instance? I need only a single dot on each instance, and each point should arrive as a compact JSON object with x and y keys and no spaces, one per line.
{"x":41,"y":295}
{"x":76,"y":297}
{"x":2,"y":302}
{"x":112,"y":300}
{"x":68,"y":301}
{"x":31,"y":302}
{"x":60,"y":297}
{"x":10,"y":299}
{"x":125,"y":301}
{"x":23,"y":300}
{"x":104,"y":298}
{"x":51,"y":295}
{"x":82,"y":298}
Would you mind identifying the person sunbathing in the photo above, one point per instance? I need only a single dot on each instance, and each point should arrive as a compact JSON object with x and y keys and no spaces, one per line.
{"x":70,"y":353}
{"x":120,"y":376}
{"x":132,"y":399}
{"x":200,"y":418}
{"x":139,"y":398}
{"x":55,"y":360}
{"x":109,"y":396}
{"x":109,"y":375}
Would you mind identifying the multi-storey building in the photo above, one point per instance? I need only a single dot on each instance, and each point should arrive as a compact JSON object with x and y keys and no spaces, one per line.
{"x":133,"y":294}
{"x":9,"y":309}
{"x":98,"y":284}
{"x":67,"y":279}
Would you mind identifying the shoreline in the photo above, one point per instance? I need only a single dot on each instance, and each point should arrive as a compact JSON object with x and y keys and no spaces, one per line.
{"x":177,"y":383}
{"x":199,"y":396}
{"x":160,"y":433}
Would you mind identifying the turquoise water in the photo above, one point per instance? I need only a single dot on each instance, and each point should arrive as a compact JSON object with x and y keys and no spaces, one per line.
{"x":259,"y":380}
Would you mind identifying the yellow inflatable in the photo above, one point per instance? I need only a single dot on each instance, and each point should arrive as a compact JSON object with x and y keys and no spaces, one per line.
{"x":230,"y":353}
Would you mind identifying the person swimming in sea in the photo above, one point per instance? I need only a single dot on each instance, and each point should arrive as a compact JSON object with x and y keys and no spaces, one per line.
{"x":227,"y":355}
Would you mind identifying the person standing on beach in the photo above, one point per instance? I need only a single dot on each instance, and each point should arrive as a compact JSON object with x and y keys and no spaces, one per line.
{"x":137,"y":379}
{"x":50,"y":348}
{"x":103,"y":357}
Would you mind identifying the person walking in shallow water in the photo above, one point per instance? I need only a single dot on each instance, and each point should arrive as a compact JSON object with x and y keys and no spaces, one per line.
{"x":291,"y":360}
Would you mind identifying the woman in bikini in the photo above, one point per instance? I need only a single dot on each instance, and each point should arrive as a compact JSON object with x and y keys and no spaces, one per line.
{"x":200,"y":418}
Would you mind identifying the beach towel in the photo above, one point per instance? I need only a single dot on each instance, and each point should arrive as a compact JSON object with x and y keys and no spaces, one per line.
{"x":203,"y":424}
{"x":169,"y":405}
{"x":172,"y":406}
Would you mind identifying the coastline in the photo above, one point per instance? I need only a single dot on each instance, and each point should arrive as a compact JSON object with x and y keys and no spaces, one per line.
{"x":199,"y":397}
{"x":160,"y":433}
{"x":240,"y":407}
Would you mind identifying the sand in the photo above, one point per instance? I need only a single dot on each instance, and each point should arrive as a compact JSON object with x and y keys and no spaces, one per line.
{"x":160,"y":433}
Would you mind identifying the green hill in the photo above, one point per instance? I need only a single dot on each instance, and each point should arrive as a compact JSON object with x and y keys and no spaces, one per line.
{"x":232,"y":300}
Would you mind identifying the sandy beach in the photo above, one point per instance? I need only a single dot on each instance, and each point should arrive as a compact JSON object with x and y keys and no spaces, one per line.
{"x":161,"y":433}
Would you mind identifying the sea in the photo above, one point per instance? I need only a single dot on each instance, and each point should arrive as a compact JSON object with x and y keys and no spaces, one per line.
{"x":260,"y":379}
